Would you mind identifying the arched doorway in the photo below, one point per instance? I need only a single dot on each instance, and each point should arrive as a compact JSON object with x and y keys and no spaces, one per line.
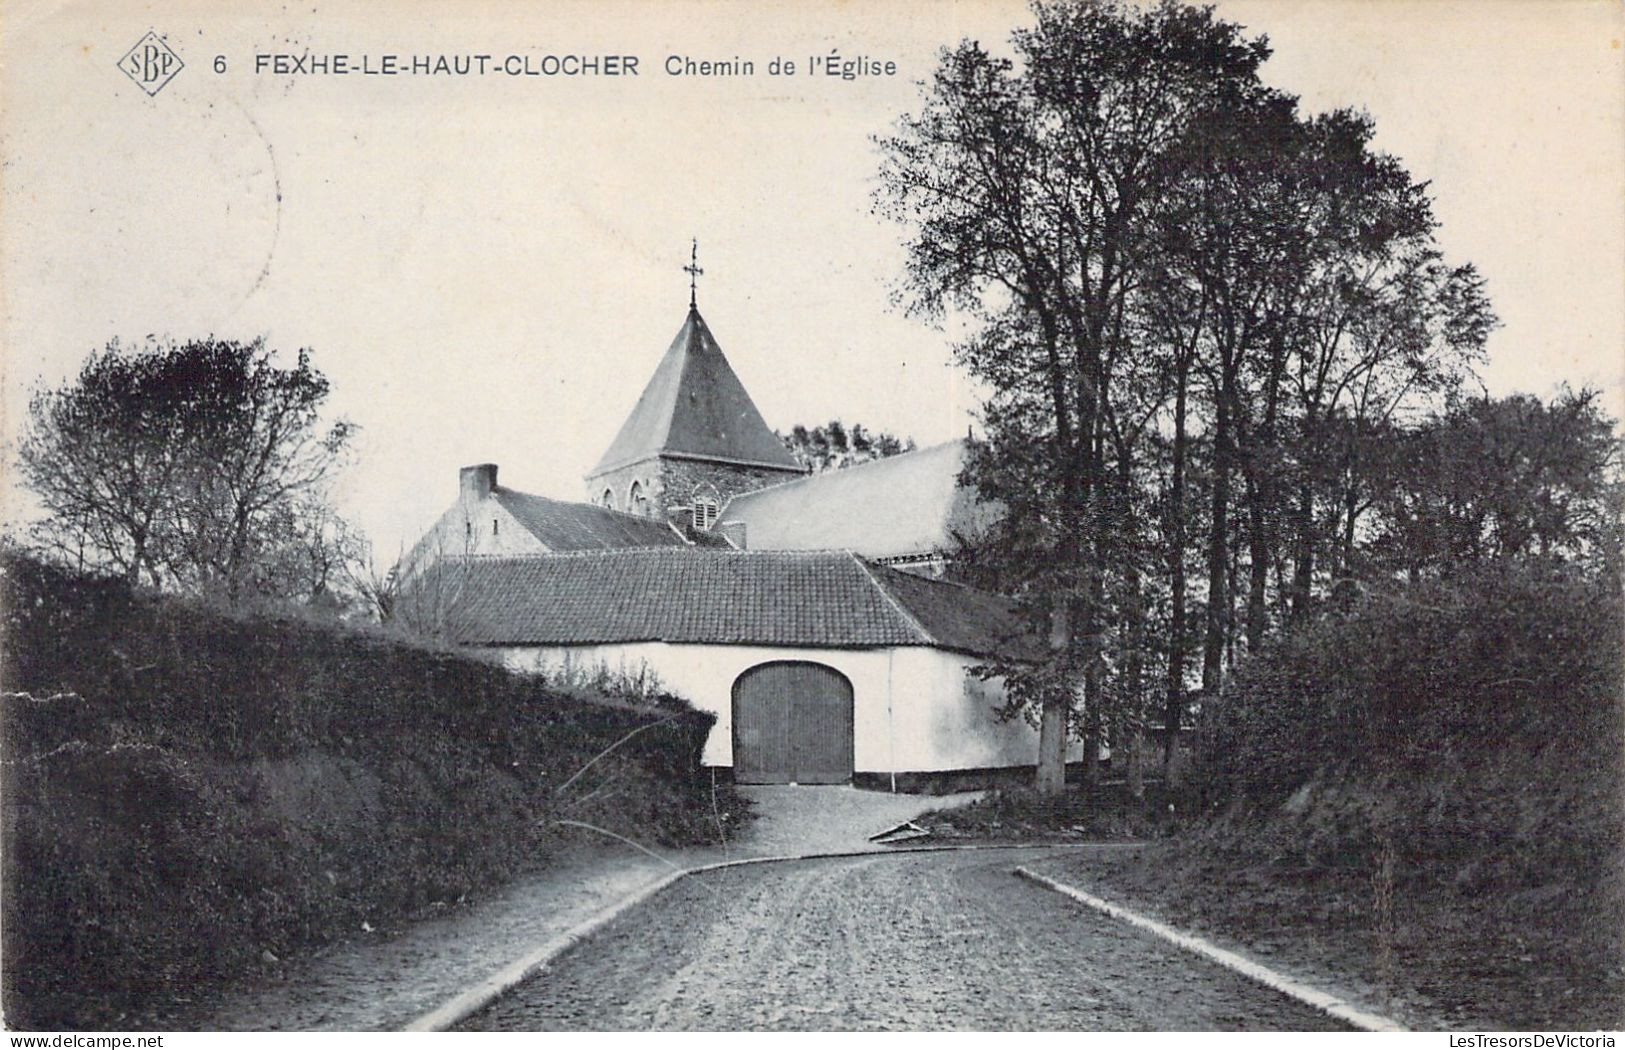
{"x":792,"y":724}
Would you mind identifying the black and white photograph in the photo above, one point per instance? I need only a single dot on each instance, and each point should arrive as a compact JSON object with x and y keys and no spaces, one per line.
{"x":804,"y":516}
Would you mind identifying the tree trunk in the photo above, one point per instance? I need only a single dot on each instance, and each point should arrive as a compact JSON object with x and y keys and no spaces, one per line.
{"x":1129,"y":725}
{"x":1232,"y":587}
{"x":1052,"y":748}
{"x":1218,"y":546}
{"x":1174,"y":697}
{"x":1094,"y":693}
{"x":1133,"y":757}
{"x":1051,"y":779}
{"x":1258,"y":569}
{"x":1261,"y":458}
{"x":1092,"y":723}
{"x":1303,"y":569}
{"x":1127,"y":720}
{"x":1351,"y":512}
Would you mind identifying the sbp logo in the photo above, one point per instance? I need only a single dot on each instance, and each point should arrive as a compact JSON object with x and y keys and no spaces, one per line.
{"x":151,"y":64}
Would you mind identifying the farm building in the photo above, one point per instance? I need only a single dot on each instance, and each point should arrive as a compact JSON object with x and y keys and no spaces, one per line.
{"x":821,"y":667}
{"x":800,"y":609}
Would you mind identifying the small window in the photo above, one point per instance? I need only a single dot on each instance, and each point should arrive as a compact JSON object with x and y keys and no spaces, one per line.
{"x":493,"y":526}
{"x":705,"y":513}
{"x":704,"y":504}
{"x":609,"y":499}
{"x":468,"y":530}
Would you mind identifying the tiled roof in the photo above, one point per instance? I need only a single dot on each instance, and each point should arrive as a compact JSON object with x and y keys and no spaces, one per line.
{"x":563,"y":526}
{"x":959,"y":617}
{"x":695,"y":405}
{"x":822,"y":599}
{"x":885,"y":508}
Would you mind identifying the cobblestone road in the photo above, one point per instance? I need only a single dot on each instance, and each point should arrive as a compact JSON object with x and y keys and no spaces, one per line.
{"x":928,"y":941}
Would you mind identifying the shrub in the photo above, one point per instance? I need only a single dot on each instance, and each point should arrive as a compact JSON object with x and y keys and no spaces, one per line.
{"x":1478,"y":717}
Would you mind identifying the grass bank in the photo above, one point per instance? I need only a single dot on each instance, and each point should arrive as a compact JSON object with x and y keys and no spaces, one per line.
{"x":189,"y":794}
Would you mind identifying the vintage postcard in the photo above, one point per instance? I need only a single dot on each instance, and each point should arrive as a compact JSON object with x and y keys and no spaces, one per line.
{"x":807,"y":515}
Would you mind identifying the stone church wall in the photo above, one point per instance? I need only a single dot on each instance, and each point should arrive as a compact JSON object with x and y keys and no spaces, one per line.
{"x":683,"y":476}
{"x":671,"y":482}
{"x":619,"y":483}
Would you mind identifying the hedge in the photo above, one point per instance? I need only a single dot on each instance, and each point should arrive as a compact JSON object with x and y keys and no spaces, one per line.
{"x":187,"y":789}
{"x":1463,"y":721}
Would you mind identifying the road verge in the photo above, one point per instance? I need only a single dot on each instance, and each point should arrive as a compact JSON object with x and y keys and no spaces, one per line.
{"x":1309,"y":995}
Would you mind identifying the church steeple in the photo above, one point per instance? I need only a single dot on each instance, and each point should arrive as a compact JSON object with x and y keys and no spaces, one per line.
{"x":695,"y":407}
{"x":693,"y":424}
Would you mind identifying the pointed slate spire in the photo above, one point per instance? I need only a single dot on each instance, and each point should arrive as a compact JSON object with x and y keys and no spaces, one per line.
{"x":695,"y":407}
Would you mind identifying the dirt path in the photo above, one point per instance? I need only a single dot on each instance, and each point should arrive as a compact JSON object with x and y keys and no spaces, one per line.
{"x":930,"y":941}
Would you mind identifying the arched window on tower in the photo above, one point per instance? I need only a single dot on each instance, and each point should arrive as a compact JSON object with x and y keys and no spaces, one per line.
{"x":609,"y":499}
{"x":636,"y":502}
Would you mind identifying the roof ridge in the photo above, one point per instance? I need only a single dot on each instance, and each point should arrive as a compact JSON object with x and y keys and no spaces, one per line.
{"x":938,"y":581}
{"x":535,"y":556}
{"x":924,"y":635}
{"x":693,"y":550}
{"x":616,"y":512}
{"x":700,"y":457}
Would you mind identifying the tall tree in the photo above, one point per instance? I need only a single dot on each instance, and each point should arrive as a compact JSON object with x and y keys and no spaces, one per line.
{"x":1028,"y":191}
{"x":1232,"y":244}
{"x":1175,"y":316}
{"x":202,"y":466}
{"x":104,"y":455}
{"x":1383,"y":326}
{"x":1498,"y":479}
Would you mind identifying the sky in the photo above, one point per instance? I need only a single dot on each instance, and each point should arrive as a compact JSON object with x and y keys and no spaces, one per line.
{"x":488,"y":268}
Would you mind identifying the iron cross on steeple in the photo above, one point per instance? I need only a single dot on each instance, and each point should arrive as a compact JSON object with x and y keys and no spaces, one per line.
{"x":693,"y":270}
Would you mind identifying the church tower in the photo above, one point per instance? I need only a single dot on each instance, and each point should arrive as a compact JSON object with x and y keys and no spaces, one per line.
{"x":694,"y":439}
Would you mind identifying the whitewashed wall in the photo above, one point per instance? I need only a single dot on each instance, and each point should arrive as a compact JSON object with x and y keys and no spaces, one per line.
{"x":947,"y":721}
{"x":915,"y":710}
{"x":466,"y":529}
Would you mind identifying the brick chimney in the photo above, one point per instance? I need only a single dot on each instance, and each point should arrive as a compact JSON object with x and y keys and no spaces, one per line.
{"x":476,"y":482}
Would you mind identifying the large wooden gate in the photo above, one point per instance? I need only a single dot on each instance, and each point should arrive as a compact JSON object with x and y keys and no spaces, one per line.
{"x":792,"y":724}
